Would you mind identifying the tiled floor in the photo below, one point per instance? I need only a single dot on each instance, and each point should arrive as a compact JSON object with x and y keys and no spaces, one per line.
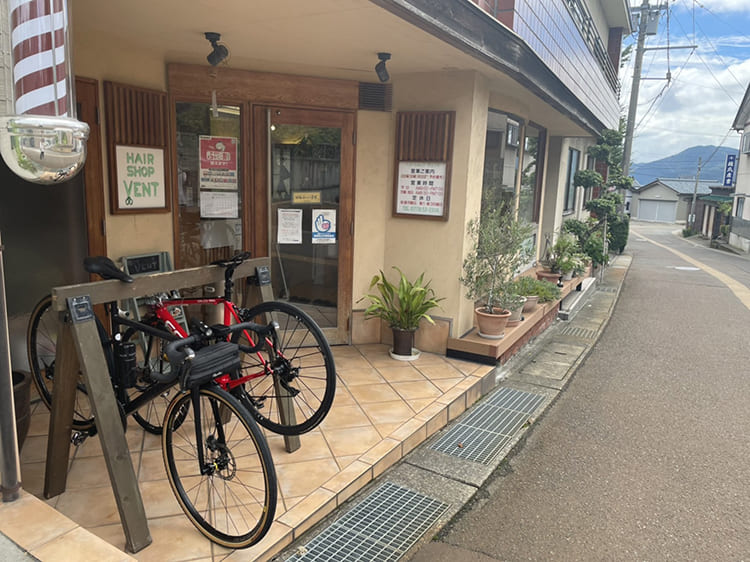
{"x":383,"y":409}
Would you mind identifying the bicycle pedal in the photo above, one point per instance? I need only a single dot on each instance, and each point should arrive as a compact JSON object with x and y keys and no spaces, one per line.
{"x":78,"y":437}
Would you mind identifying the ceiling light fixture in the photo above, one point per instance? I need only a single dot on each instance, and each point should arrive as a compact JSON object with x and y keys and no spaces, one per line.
{"x":219,"y":52}
{"x":380,"y":68}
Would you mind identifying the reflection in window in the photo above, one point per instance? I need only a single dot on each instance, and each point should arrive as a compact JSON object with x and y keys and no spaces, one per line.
{"x":513,"y":153}
{"x":570,"y":188}
{"x":208,"y":183}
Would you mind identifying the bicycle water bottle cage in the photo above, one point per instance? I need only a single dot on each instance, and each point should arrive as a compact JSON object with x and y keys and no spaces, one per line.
{"x":209,"y":362}
{"x":105,"y":268}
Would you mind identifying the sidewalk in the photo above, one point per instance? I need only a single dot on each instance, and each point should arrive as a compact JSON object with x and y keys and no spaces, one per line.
{"x":405,"y":507}
{"x":385,"y":444}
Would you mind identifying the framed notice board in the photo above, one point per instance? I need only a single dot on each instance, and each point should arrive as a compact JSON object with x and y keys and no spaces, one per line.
{"x":424,"y":151}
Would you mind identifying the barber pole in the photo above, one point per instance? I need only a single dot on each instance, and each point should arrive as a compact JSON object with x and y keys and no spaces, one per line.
{"x":42,"y":78}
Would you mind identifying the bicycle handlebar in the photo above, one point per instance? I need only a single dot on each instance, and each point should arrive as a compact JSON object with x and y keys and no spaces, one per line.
{"x":179,"y":351}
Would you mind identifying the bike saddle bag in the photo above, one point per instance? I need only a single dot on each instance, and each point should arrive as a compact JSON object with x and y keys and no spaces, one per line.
{"x":211,"y":361}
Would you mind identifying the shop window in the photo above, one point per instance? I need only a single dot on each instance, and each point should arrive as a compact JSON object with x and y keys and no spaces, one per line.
{"x":740,"y":207}
{"x":570,"y":188}
{"x":513,"y":160}
{"x":208,"y":183}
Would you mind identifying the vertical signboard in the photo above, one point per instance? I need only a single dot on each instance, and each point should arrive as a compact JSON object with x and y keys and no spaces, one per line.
{"x":729,"y":168}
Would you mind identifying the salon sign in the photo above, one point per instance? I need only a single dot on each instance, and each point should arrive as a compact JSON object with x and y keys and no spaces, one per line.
{"x":140,"y":178}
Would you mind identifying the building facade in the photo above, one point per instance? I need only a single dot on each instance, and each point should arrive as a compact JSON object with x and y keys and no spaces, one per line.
{"x":293,"y":146}
{"x":739,"y":235}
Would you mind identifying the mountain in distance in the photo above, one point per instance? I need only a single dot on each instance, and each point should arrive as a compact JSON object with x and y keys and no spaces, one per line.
{"x":684,"y":165}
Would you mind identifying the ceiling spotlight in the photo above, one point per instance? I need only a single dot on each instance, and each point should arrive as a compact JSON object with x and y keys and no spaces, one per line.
{"x":220,"y":51}
{"x":380,"y":68}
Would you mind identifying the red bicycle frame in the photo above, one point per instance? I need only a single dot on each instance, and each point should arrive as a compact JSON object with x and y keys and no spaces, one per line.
{"x":231,"y":316}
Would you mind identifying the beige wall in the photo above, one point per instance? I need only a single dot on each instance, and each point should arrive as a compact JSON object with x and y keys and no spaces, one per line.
{"x":437,"y":248}
{"x":103,"y":59}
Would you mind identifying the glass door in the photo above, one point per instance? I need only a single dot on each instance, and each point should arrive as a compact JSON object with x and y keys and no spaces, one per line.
{"x":310,"y":184}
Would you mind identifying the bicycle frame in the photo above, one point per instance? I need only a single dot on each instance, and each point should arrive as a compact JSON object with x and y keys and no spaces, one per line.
{"x":231,"y":316}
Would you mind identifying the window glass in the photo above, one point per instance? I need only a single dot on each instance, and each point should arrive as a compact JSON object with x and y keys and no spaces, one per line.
{"x":208,"y":183}
{"x":570,"y":188}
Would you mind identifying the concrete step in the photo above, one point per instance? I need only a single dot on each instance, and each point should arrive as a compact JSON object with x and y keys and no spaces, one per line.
{"x":573,"y":302}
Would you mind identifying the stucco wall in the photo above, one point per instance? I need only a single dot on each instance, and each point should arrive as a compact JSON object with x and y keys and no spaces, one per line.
{"x":103,"y":59}
{"x":437,"y":247}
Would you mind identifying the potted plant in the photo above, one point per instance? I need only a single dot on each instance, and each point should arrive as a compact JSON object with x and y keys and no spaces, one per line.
{"x":401,"y":306}
{"x":561,"y":258}
{"x":530,"y":288}
{"x":499,"y":248}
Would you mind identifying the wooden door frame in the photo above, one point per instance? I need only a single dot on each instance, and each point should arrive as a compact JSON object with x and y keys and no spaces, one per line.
{"x":87,"y":96}
{"x":260,"y":219}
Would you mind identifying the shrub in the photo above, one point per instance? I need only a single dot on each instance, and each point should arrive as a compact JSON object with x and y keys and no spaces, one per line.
{"x":619,"y":227}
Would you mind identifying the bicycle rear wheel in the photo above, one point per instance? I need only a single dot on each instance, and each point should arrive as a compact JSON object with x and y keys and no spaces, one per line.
{"x":41,"y":348}
{"x":231,"y":495}
{"x":298,"y":371}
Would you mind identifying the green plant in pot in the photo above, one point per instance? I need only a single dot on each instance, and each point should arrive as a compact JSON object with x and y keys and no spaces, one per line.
{"x":401,"y":306}
{"x":499,"y":248}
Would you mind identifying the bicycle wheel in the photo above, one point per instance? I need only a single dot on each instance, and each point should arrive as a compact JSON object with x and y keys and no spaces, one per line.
{"x":224,"y":480}
{"x":298,"y":371}
{"x":41,"y":347}
{"x":150,"y":358}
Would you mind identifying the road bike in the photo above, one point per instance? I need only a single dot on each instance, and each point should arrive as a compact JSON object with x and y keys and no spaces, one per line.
{"x":217,"y":459}
{"x":292,"y":367}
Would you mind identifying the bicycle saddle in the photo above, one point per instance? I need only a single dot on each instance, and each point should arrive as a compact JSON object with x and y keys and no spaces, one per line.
{"x":105,"y":268}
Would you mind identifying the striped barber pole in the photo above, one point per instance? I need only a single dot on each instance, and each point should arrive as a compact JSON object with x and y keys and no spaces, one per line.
{"x":39,"y":30}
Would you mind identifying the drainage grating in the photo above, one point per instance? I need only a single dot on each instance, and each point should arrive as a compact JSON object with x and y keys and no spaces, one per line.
{"x":383,"y":527}
{"x":578,"y":332}
{"x":489,"y":426}
{"x":604,"y":289}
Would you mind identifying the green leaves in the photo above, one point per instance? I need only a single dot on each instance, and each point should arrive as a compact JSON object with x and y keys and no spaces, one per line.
{"x":401,"y":305}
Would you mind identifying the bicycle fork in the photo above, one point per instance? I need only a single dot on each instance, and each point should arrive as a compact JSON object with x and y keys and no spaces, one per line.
{"x":221,"y":462}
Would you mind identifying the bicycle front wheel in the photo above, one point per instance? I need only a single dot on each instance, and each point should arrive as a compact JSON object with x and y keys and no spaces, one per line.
{"x":291,"y":383}
{"x":219,"y":467}
{"x":41,"y":347}
{"x":150,"y":358}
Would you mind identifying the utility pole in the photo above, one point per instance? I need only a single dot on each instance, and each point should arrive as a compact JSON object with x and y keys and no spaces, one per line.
{"x":648,"y":22}
{"x":691,"y":216}
{"x":630,"y":126}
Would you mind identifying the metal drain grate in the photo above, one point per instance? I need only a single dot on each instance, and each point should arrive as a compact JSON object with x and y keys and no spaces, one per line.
{"x":607,"y":289}
{"x":383,"y":527}
{"x":489,"y":426}
{"x":578,"y":332}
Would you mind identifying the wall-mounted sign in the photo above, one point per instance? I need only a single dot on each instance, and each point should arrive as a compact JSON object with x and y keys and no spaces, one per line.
{"x":324,"y":226}
{"x":140,"y":178}
{"x":730,"y":167}
{"x":218,"y":167}
{"x":421,"y":189}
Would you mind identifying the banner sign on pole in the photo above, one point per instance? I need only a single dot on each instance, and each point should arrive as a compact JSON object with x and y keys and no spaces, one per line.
{"x":729,"y":169}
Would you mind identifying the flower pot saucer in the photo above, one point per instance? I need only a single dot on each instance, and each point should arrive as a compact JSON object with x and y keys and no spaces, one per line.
{"x":415,"y":353}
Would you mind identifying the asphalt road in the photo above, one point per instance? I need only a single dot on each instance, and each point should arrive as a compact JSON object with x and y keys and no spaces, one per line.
{"x":646,"y":454}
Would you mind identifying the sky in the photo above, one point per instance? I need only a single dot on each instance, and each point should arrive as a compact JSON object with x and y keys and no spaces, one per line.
{"x":699,"y":104}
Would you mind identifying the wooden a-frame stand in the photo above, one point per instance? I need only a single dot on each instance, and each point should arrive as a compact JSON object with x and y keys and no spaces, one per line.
{"x":79,"y":349}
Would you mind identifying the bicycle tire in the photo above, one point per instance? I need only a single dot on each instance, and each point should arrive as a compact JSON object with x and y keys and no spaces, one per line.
{"x":231,"y":505}
{"x":301,"y":363}
{"x":41,"y":348}
{"x":150,"y":416}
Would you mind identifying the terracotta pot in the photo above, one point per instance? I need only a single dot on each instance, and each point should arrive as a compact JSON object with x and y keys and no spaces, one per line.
{"x":516,"y":316}
{"x":22,"y":403}
{"x":531,"y":303}
{"x":492,"y":326}
{"x":403,"y":341}
{"x":551,"y":276}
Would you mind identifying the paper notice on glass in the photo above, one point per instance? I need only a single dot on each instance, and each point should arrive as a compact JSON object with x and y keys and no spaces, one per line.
{"x":324,"y":226}
{"x":219,"y":205}
{"x":289,"y":229}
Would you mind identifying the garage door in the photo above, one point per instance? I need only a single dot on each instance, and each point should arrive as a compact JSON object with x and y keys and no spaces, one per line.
{"x":657,"y":211}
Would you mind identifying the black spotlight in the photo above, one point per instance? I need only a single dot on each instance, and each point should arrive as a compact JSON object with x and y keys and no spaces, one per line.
{"x":380,"y":68}
{"x":219,"y":53}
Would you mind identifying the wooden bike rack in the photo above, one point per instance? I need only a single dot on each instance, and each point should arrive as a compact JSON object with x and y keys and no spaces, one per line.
{"x":79,"y":349}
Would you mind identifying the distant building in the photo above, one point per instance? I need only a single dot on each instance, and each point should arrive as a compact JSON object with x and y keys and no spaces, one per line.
{"x":670,"y":199}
